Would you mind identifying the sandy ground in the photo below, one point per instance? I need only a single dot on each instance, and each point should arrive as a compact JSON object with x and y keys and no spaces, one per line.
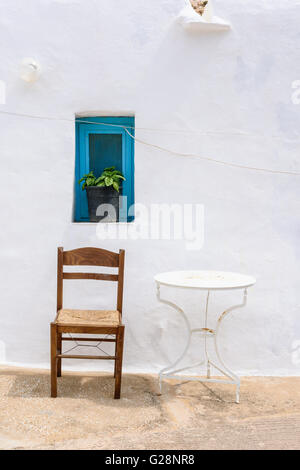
{"x":187,"y":416}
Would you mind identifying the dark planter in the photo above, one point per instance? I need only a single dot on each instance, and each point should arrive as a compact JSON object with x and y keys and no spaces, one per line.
{"x":96,"y":197}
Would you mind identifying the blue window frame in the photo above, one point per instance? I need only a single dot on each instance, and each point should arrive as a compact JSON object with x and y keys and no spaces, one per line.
{"x":101,"y":143}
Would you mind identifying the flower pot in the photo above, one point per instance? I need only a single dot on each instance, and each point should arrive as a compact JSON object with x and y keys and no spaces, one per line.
{"x":98,"y":196}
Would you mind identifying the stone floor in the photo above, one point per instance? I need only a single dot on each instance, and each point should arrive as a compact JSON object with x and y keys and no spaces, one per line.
{"x":187,"y":416}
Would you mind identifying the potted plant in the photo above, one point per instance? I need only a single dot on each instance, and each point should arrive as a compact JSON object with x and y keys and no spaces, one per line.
{"x":104,"y":189}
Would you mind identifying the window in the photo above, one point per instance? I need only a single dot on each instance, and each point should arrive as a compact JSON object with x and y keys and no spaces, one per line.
{"x":102,"y":142}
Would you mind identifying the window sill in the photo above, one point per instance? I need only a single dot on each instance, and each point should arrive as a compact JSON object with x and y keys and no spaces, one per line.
{"x":102,"y":223}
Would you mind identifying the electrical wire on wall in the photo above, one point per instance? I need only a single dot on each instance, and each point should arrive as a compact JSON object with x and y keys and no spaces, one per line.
{"x":158,"y":147}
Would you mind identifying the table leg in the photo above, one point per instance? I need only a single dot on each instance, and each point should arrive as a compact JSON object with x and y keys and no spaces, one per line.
{"x":205,"y":336}
{"x":232,"y":378}
{"x":189,"y":336}
{"x":226,"y":370}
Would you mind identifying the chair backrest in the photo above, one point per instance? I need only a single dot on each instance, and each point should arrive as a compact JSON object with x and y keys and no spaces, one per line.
{"x":90,"y":257}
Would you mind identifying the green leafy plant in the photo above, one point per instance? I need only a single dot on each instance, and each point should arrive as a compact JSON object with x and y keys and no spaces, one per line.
{"x":109,"y":177}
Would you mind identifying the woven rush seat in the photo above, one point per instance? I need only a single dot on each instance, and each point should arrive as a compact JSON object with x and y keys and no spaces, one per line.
{"x":110,"y":318}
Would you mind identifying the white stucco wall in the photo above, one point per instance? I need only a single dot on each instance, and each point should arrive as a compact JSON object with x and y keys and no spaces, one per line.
{"x":233,"y":88}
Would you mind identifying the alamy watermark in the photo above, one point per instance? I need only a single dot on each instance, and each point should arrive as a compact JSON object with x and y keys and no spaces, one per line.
{"x":154,"y":222}
{"x":2,"y":92}
{"x":2,"y":352}
{"x":296,"y":92}
{"x":296,"y":352}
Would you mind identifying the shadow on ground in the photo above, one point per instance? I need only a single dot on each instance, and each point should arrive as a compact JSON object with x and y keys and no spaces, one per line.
{"x":95,"y":388}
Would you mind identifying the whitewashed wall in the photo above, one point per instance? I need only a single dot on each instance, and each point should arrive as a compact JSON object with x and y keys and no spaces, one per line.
{"x":114,"y":57}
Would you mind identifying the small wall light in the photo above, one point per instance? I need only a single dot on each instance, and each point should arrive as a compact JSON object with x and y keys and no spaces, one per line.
{"x":30,"y":70}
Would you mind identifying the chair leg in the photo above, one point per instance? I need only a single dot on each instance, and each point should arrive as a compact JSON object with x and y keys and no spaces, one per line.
{"x":59,"y":347}
{"x":119,"y":361}
{"x":53,"y":329}
{"x":115,"y":367}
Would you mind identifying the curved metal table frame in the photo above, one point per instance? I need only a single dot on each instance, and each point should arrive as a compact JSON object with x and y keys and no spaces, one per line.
{"x":170,"y":372}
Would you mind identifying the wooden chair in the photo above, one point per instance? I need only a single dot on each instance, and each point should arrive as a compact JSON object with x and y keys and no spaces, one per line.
{"x":103,"y":322}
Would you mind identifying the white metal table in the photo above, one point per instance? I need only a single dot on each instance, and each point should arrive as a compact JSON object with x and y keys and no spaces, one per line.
{"x":205,"y":281}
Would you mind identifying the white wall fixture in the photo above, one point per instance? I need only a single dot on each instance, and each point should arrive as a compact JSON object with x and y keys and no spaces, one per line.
{"x":192,"y":20}
{"x":30,"y":70}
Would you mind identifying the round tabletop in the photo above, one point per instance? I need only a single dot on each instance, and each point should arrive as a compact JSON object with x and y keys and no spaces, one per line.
{"x":208,"y":280}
